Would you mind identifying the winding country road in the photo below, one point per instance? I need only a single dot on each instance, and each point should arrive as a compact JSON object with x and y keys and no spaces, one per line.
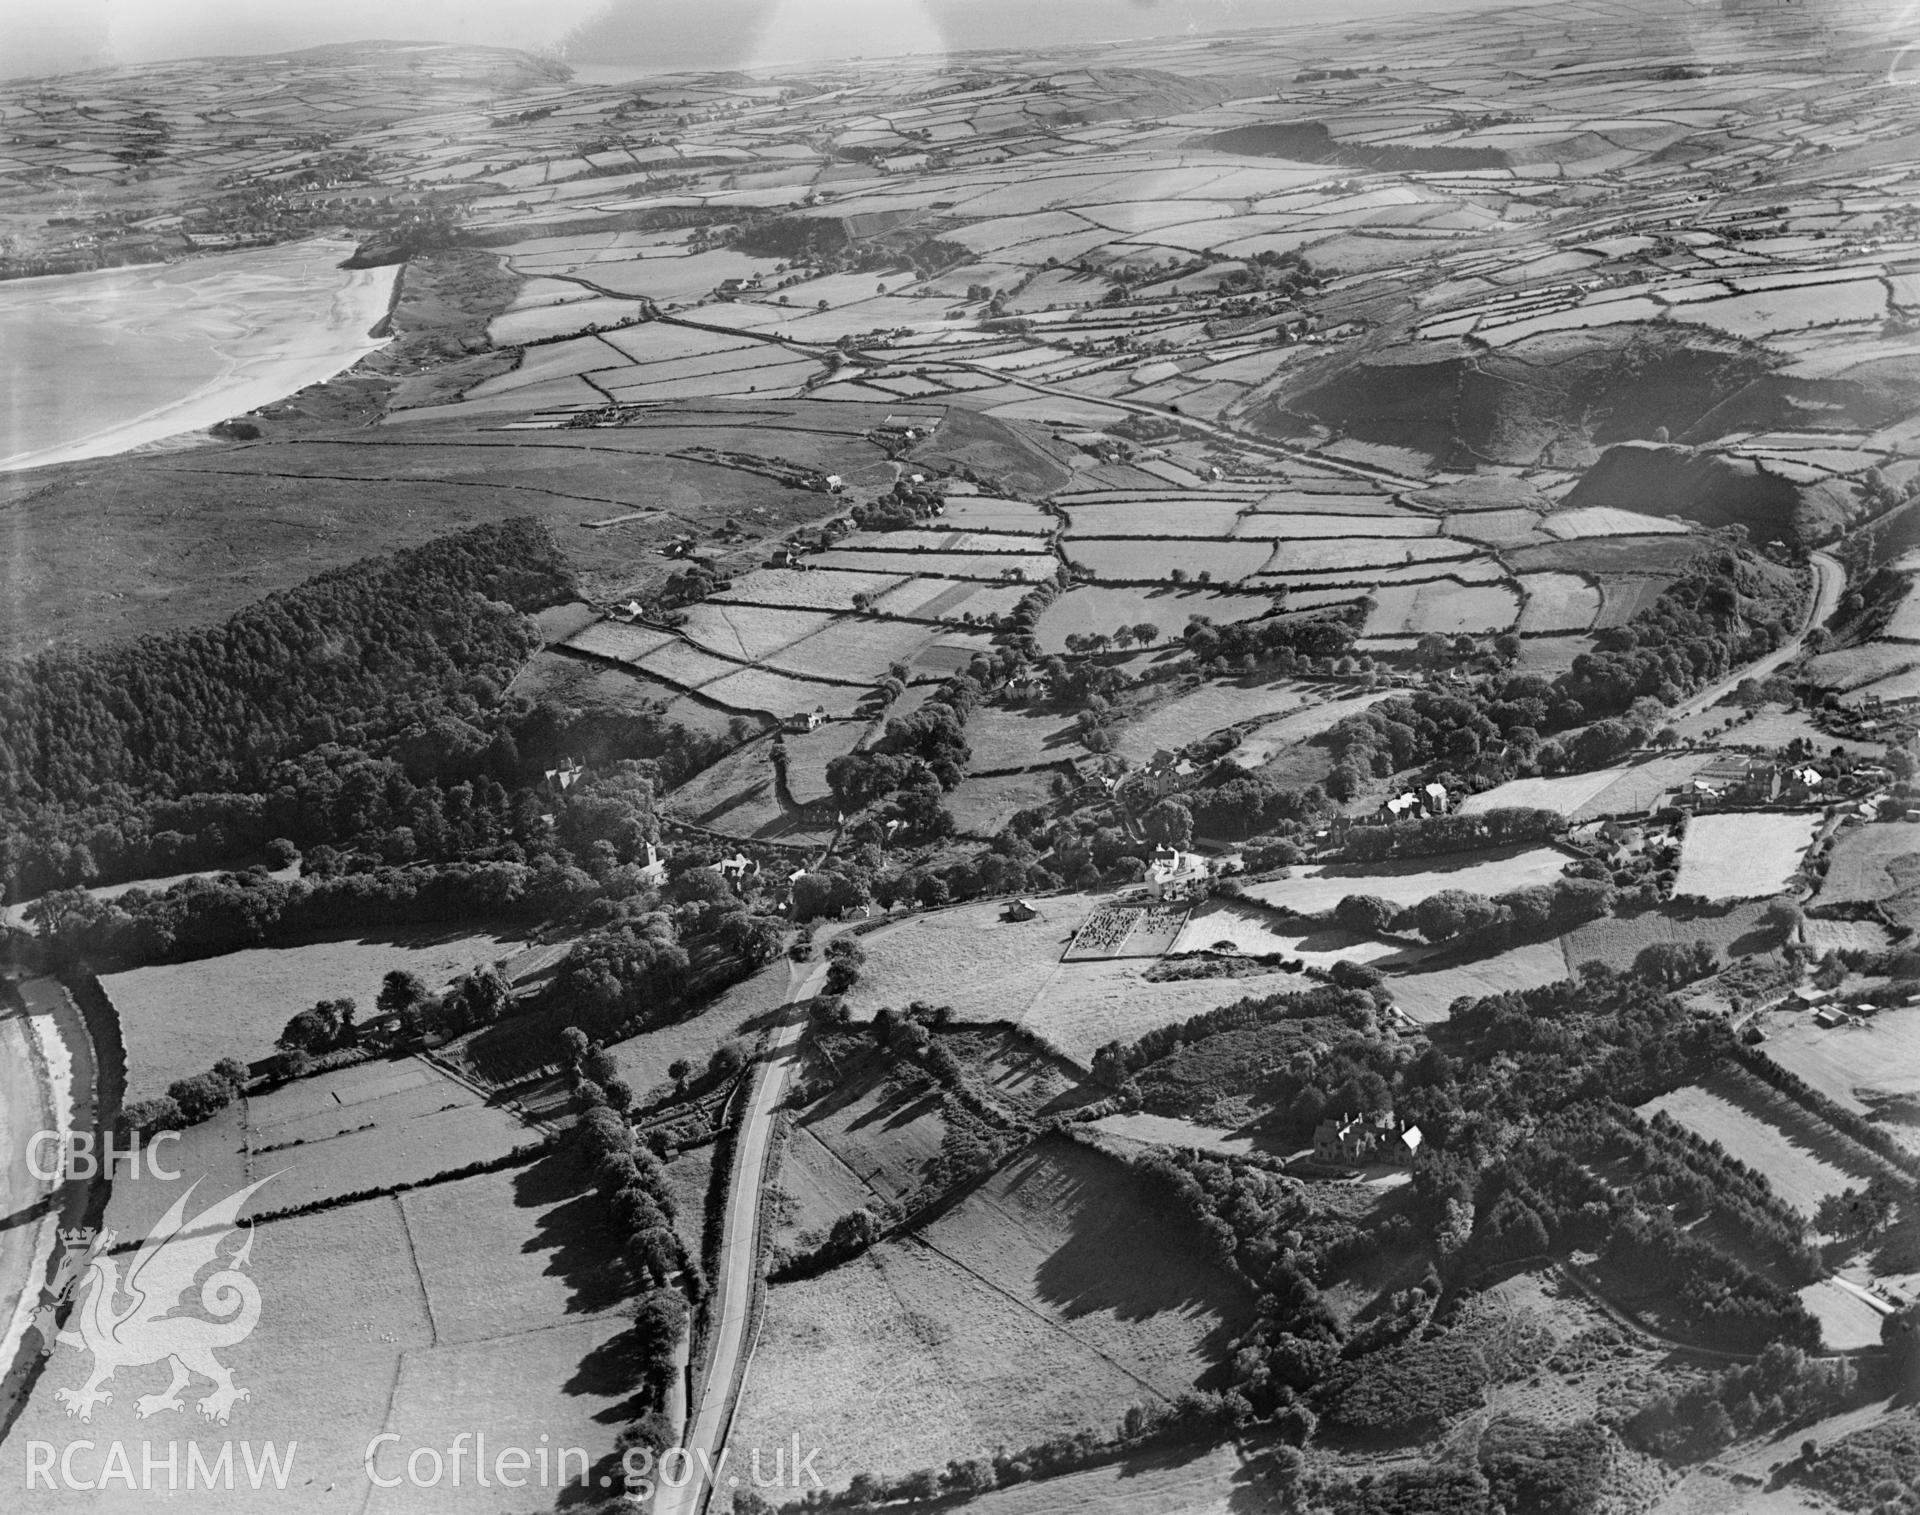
{"x":736,"y":1275}
{"x":1830,"y":582}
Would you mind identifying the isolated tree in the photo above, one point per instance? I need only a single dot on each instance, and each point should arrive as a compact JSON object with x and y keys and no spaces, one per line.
{"x":1366,"y":913}
{"x":1170,"y":823}
{"x":728,"y":1059}
{"x":401,"y":993}
{"x":1146,"y":633}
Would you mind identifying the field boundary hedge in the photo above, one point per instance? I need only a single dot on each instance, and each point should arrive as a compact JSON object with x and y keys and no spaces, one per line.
{"x":520,"y":1156}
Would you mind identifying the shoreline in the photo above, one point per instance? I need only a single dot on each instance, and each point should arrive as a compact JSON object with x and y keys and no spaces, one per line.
{"x":50,"y":1062}
{"x":358,"y":306}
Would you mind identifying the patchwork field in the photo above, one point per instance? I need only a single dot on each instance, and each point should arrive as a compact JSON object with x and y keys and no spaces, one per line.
{"x":987,"y":968}
{"x":1442,"y":606}
{"x":1009,"y":1318}
{"x":1019,"y":737}
{"x":982,"y":806}
{"x":179,"y":1020}
{"x":1732,"y":855}
{"x":1872,"y":1068}
{"x":1799,"y":1159}
{"x":1735,"y":931}
{"x":1871,"y":863}
{"x":1085,"y":1005}
{"x":471,"y":1302}
{"x":1317,"y":888}
{"x":1100,"y":610}
{"x":1427,"y":995}
{"x":1631,"y":790}
{"x":1212,"y":707}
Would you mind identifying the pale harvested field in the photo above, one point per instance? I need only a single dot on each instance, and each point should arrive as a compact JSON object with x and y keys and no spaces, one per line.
{"x":1855,"y":1066}
{"x":1172,"y":517}
{"x":1103,"y":609}
{"x":1442,"y":606}
{"x":181,"y":1019}
{"x":1254,"y":932}
{"x":1558,"y":602}
{"x":1085,"y":1005}
{"x":1116,"y":559}
{"x":1846,"y":1320}
{"x":1628,"y":790}
{"x":1735,"y":855}
{"x":987,"y":968}
{"x":1320,"y":887}
{"x":1188,"y":717}
{"x":1428,"y":996}
{"x":1802,"y":1161}
{"x":815,"y":588}
{"x":1273,"y":740}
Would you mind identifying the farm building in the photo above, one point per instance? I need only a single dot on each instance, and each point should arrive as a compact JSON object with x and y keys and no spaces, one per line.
{"x":811,"y":720}
{"x":1413,"y":803}
{"x":560,"y":780}
{"x":908,"y":428}
{"x":1354,"y":1138}
{"x":1173,"y":872}
{"x":1020,"y":910}
{"x":1347,"y":1140}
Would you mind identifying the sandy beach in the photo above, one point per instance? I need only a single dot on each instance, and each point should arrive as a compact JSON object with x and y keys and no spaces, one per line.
{"x":36,"y":1094}
{"x":99,"y":363}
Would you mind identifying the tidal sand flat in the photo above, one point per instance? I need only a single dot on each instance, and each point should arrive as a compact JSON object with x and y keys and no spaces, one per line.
{"x":99,"y":363}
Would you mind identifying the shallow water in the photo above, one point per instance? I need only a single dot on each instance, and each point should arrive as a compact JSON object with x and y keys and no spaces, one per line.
{"x":98,"y":363}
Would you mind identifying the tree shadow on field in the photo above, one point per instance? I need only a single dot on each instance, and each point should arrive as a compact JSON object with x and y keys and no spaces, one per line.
{"x":611,"y":1370}
{"x":571,"y":1228}
{"x":1109,"y":1215}
{"x":902,"y":1108}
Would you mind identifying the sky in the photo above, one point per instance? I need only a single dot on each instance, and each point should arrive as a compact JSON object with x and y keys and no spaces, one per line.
{"x":58,"y":36}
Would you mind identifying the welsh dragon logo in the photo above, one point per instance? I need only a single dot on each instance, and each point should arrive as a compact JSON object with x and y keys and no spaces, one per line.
{"x":133,"y":1321}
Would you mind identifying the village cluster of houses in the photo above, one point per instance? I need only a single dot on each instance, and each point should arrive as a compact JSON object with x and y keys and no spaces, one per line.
{"x":1735,"y":778}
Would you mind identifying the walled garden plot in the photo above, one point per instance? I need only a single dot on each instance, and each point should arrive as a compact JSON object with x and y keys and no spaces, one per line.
{"x":1128,"y":931}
